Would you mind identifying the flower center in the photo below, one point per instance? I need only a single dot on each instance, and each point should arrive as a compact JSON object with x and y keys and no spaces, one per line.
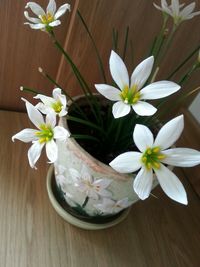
{"x":57,"y":106}
{"x":47,"y":18}
{"x":46,"y":133}
{"x":151,"y":158}
{"x":130,"y":95}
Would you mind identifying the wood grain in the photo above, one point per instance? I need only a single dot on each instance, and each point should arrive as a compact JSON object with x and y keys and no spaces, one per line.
{"x":158,"y":232}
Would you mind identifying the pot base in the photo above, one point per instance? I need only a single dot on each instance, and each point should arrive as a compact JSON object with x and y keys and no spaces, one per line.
{"x":73,"y":220}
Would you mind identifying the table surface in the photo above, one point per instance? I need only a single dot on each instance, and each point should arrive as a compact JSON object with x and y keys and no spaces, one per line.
{"x":157,"y":232}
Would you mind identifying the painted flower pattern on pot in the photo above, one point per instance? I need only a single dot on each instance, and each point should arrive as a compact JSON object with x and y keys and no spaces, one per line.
{"x":132,"y":94}
{"x":153,"y":156}
{"x":45,"y":20}
{"x":86,"y":184}
{"x":60,"y":174}
{"x":179,"y":12}
{"x":57,"y":103}
{"x":44,"y":135}
{"x":109,"y":206}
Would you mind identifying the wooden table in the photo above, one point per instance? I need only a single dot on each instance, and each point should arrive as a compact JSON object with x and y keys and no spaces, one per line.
{"x":157,"y":232}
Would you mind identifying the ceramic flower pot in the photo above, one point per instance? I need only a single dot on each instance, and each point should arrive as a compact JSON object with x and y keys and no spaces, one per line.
{"x":89,"y":189}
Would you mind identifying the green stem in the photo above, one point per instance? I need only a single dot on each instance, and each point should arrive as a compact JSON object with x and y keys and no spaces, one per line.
{"x":30,"y":90}
{"x":167,"y":44}
{"x":95,"y":47}
{"x":86,"y":122}
{"x":85,"y":202}
{"x":82,"y":82}
{"x":125,"y":43}
{"x":184,"y":62}
{"x":188,"y":74}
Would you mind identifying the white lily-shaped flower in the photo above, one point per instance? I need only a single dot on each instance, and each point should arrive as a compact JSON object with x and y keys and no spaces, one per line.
{"x":153,"y":157}
{"x":179,"y":12}
{"x":131,"y":94}
{"x":109,"y":206}
{"x":44,"y":135}
{"x":86,"y":184}
{"x":57,"y":103}
{"x":46,"y":20}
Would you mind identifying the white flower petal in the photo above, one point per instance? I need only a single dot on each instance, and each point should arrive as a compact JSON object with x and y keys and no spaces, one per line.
{"x":127,"y":162}
{"x":63,"y":112}
{"x":75,"y":175}
{"x":181,"y":157}
{"x":170,"y":133}
{"x":34,"y":115}
{"x":102,"y":183}
{"x":108,"y":91}
{"x":187,"y":10}
{"x":34,"y":153}
{"x":43,"y":108}
{"x":57,"y":92}
{"x":52,"y":151}
{"x":34,"y":20}
{"x":143,"y":183}
{"x":61,"y":133}
{"x":48,"y":101}
{"x":26,"y":135}
{"x":143,"y":137}
{"x":55,"y":23}
{"x":171,"y":185}
{"x":158,"y":7}
{"x":142,"y":72}
{"x":36,"y":9}
{"x":51,"y":8}
{"x":61,"y":11}
{"x":144,"y":109}
{"x":118,"y":70}
{"x":159,"y":90}
{"x":51,"y":119}
{"x":175,"y":7}
{"x":38,"y":26}
{"x":120,"y":109}
{"x":192,"y":15}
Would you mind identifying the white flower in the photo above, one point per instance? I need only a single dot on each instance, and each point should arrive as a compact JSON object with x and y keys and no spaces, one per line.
{"x":86,"y":184}
{"x":44,"y":136}
{"x":57,"y":103}
{"x":152,"y":156}
{"x":60,"y":175}
{"x":109,"y":206}
{"x":131,"y":94}
{"x":177,"y":11}
{"x":46,"y":20}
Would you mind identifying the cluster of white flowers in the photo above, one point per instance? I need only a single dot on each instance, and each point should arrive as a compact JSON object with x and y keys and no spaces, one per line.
{"x":46,"y":130}
{"x":179,"y":12}
{"x":129,"y":94}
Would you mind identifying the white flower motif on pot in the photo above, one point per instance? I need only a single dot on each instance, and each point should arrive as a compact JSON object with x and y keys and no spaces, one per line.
{"x":86,"y":184}
{"x":109,"y":206}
